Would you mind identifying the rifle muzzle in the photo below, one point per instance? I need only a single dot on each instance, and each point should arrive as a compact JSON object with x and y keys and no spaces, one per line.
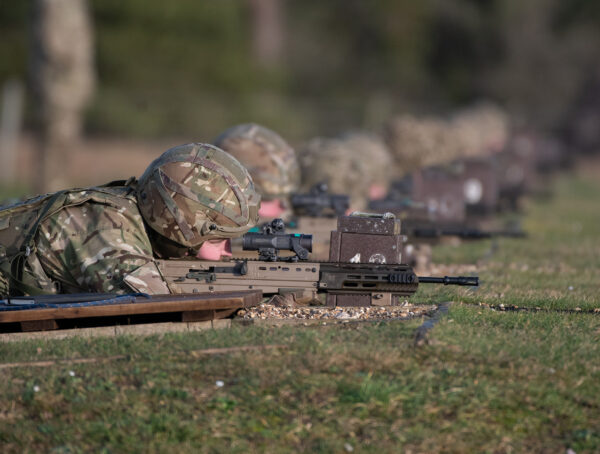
{"x":470,"y":281}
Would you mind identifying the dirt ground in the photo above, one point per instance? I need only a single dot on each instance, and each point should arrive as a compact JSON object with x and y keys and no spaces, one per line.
{"x":95,"y":161}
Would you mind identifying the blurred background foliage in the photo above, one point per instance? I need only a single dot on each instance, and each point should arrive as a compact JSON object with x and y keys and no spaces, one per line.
{"x":189,"y":68}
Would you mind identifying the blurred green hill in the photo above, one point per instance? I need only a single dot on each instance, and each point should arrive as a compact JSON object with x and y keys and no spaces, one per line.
{"x":189,"y":68}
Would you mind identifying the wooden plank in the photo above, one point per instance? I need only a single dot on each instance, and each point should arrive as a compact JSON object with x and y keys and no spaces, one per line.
{"x":39,"y":325}
{"x":158,"y":304}
{"x":198,"y":316}
{"x":223,"y":313}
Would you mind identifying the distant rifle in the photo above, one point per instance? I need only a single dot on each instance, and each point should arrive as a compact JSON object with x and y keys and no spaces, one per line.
{"x":467,"y":233}
{"x":415,"y":224}
{"x":394,"y":205}
{"x":356,"y":284}
{"x":319,"y":202}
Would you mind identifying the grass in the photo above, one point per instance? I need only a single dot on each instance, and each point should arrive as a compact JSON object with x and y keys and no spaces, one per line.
{"x":487,"y":381}
{"x":556,"y":267}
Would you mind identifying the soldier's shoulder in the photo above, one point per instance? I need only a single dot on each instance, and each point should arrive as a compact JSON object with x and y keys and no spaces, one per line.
{"x":111,"y":194}
{"x":94,"y":209}
{"x":117,"y":194}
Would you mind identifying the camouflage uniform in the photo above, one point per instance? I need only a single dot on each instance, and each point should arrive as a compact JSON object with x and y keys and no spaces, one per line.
{"x":93,"y":241}
{"x":425,"y":141}
{"x":105,"y":239}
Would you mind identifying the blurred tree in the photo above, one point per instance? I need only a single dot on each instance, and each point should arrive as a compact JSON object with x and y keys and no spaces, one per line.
{"x":171,"y":68}
{"x":465,"y":47}
{"x":192,"y":68}
{"x":13,"y":45}
{"x":581,"y":121}
{"x":354,"y":57}
{"x":542,"y":68}
{"x":62,"y":75}
{"x":267,"y":31}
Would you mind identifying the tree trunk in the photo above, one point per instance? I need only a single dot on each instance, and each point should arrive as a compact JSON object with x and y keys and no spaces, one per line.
{"x":267,"y":31}
{"x":62,"y":77}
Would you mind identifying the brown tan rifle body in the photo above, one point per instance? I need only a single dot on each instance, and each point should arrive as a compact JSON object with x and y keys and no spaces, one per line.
{"x":343,"y":284}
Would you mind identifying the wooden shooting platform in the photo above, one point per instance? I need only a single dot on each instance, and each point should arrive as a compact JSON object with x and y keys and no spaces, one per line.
{"x":162,"y":308}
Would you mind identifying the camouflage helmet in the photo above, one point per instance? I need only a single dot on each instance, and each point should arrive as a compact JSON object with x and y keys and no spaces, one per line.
{"x":269,"y":159}
{"x":480,"y":129}
{"x":379,"y":163}
{"x":424,"y":141}
{"x":417,"y":142}
{"x":331,"y":161}
{"x":196,"y":192}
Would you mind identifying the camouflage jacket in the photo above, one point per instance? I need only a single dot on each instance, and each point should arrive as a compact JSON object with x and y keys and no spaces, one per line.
{"x":80,"y":240}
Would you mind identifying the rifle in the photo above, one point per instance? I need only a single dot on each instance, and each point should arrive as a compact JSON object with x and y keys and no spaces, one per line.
{"x":318,"y":202}
{"x":437,"y":210}
{"x":416,"y":224}
{"x":467,"y":233}
{"x":341,"y":283}
{"x":389,"y":205}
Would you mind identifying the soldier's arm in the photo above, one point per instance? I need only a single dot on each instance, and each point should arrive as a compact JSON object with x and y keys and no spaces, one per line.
{"x":96,"y":248}
{"x":112,"y":261}
{"x":147,"y":279}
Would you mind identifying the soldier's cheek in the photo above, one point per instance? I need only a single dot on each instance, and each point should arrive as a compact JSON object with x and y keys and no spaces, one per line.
{"x":214,"y":250}
{"x":271,"y":208}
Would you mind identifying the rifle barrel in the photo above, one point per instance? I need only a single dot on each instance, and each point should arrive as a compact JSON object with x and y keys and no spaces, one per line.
{"x":509,"y":233}
{"x":464,"y":232}
{"x":450,"y":280}
{"x":467,"y":233}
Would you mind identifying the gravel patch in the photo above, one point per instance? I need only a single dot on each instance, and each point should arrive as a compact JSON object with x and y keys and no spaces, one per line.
{"x":269,"y":311}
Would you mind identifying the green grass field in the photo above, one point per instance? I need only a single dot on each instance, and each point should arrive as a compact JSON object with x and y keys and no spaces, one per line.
{"x":556,"y":267}
{"x":487,"y":381}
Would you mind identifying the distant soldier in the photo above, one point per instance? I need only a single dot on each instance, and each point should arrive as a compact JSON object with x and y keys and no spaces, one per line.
{"x":481,"y":130}
{"x":380,"y":165}
{"x":271,"y":162}
{"x":189,"y":201}
{"x":358,"y":165}
{"x":417,"y":142}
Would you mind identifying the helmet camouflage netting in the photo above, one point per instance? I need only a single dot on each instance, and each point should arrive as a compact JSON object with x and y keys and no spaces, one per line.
{"x":196,"y":192}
